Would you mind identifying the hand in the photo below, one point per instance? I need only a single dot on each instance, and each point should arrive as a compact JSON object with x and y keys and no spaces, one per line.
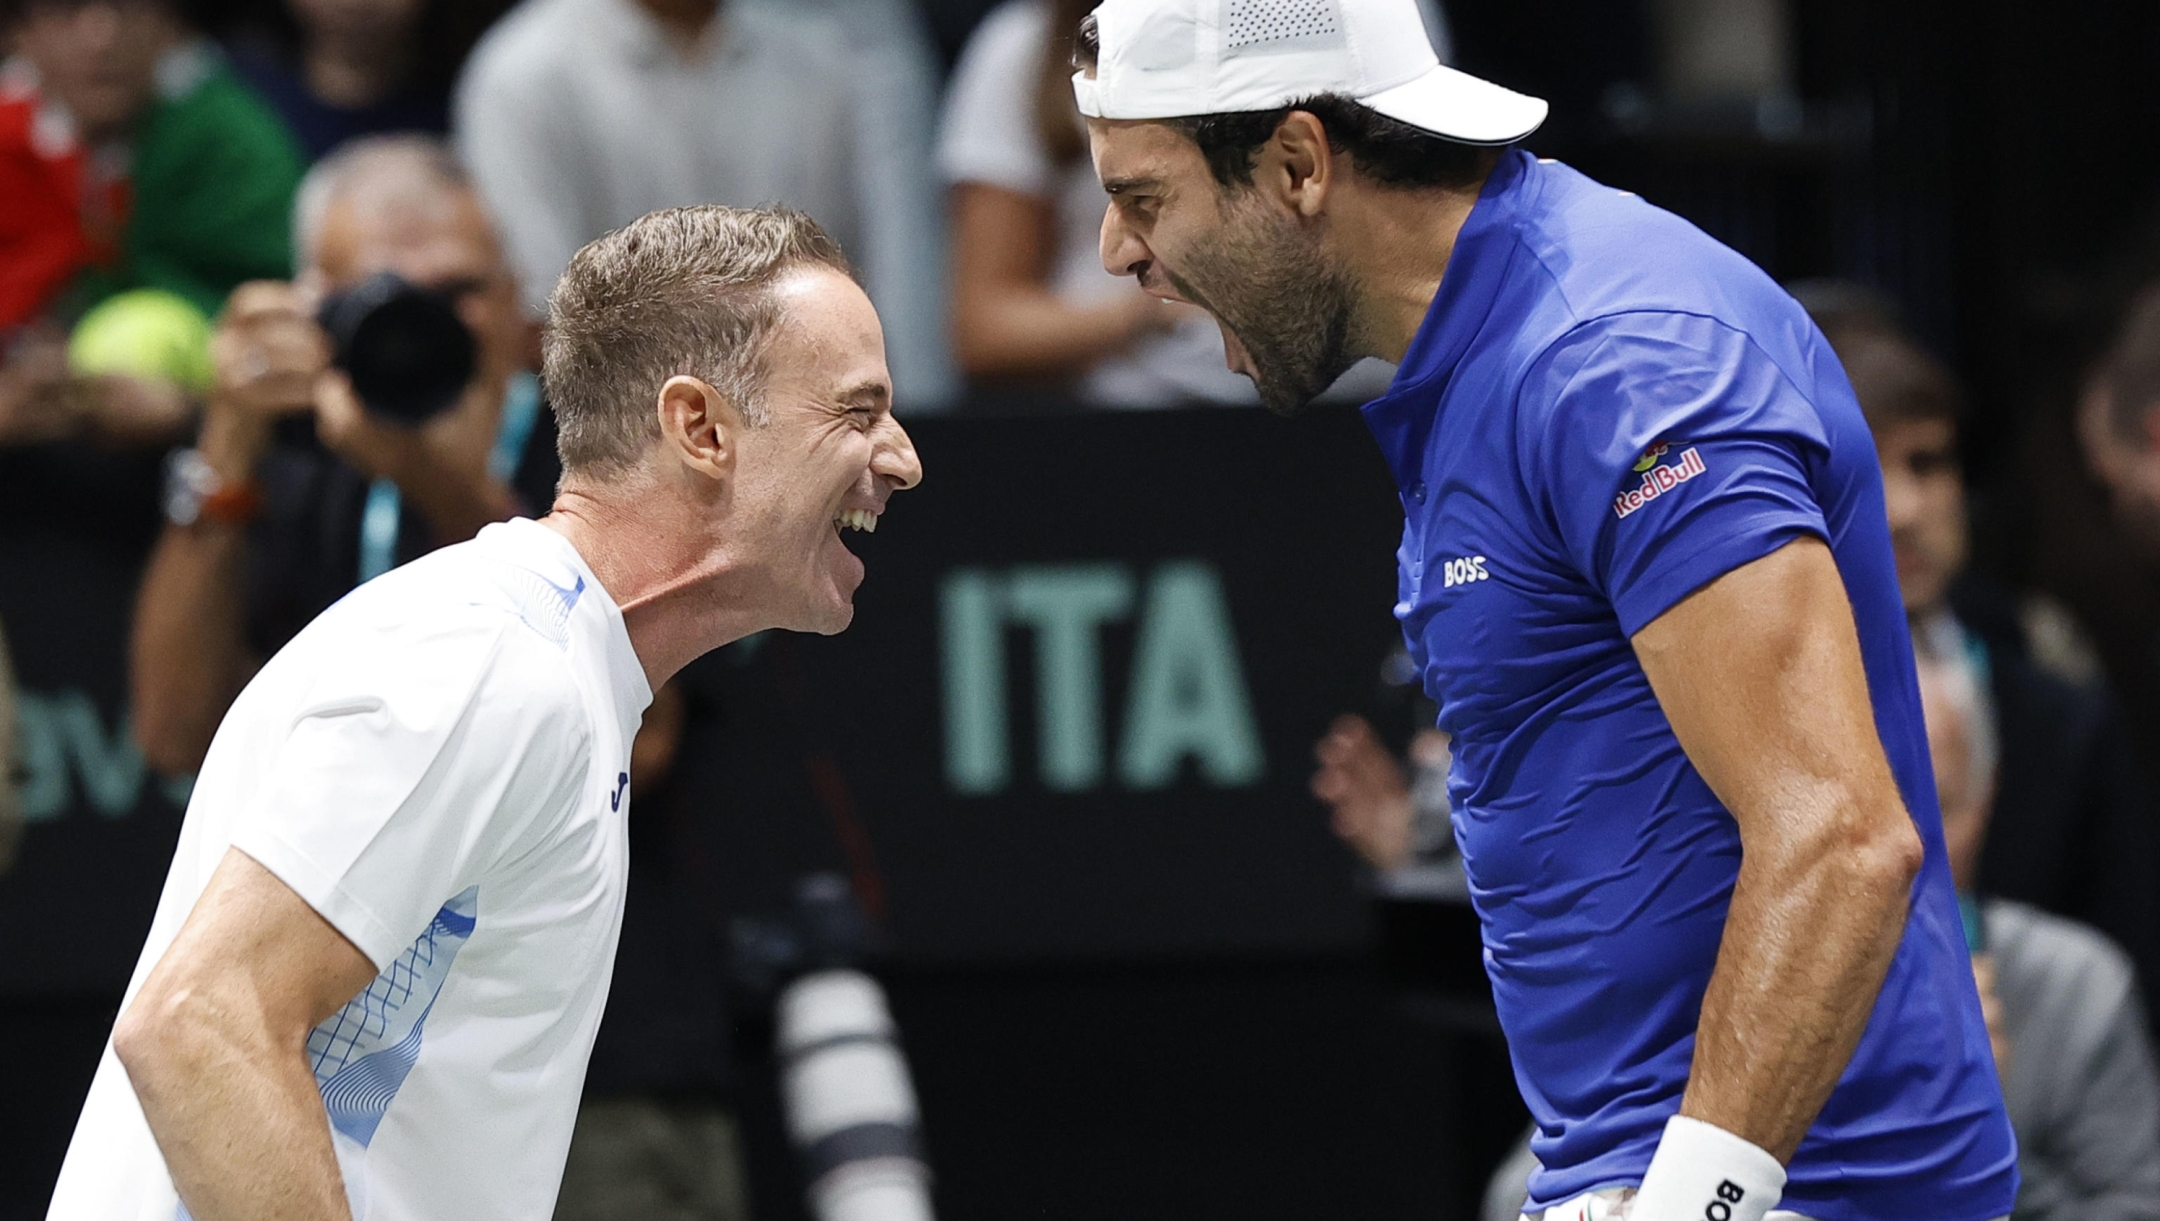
{"x":41,"y":400}
{"x":34,"y":401}
{"x":125,"y":410}
{"x":453,"y":445}
{"x":266,"y":356}
{"x":1365,"y":787}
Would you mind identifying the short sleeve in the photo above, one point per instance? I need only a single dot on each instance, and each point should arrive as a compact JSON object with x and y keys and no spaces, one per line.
{"x":417,"y":763}
{"x":1666,"y":450}
{"x":988,"y":134}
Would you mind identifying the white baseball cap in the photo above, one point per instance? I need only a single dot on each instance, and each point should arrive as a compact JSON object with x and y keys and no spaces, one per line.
{"x":1166,"y":59}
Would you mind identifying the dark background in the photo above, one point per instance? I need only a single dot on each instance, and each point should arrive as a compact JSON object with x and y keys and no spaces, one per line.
{"x":1175,"y":1004}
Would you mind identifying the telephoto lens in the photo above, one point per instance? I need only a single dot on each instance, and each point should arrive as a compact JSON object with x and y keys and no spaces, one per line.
{"x":850,"y":1103}
{"x":408,"y":353}
{"x":845,"y":1090}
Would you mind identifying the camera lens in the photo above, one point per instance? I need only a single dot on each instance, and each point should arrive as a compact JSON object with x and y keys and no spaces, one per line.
{"x":406,"y":350}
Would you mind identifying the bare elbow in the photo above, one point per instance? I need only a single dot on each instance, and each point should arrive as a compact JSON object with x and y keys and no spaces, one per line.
{"x":162,"y":1028}
{"x":141,"y":1038}
{"x":1888,"y":853}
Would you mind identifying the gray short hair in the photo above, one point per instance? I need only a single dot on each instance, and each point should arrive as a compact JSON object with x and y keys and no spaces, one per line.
{"x":684,"y":291}
{"x":406,"y":167}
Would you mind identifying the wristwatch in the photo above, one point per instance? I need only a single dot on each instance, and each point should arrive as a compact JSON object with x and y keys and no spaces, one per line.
{"x":193,"y":493}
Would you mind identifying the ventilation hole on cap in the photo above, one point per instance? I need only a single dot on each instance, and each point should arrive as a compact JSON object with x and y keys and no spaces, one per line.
{"x":1258,"y":21}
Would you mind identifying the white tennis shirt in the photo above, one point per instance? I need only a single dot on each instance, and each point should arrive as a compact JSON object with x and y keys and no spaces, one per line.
{"x":439,"y":765}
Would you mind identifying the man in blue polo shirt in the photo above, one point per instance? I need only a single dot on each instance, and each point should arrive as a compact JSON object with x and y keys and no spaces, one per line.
{"x":1645,"y":573}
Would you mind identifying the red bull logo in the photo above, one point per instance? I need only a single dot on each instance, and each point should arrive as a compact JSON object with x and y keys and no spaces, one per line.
{"x":1658,"y":479}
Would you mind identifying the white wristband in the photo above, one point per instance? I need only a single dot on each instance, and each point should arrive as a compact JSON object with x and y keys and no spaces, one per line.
{"x":1701,"y":1172}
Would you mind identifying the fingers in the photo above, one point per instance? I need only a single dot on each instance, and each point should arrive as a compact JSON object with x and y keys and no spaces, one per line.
{"x":377,"y":449}
{"x":267,"y":352}
{"x":1351,"y":748}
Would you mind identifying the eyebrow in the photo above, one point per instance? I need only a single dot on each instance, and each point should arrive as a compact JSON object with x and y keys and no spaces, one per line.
{"x":875,"y":392}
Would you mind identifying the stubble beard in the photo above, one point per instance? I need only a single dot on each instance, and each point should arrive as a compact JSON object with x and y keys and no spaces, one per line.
{"x":1268,"y":281}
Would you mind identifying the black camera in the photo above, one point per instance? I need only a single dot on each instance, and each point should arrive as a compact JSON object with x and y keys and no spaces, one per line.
{"x":408,"y":353}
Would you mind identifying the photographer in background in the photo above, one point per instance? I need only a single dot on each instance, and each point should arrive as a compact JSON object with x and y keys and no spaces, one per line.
{"x":297,"y":490}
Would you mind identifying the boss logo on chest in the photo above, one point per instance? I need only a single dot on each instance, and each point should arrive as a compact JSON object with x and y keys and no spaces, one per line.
{"x":1463,"y":571}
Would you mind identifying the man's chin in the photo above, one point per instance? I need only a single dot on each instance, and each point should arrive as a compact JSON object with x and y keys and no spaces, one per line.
{"x":1282,"y":398}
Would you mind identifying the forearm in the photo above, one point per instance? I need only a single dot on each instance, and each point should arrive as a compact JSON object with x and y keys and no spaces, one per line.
{"x":1020,"y":331}
{"x":234,"y":1109}
{"x":189,"y":649}
{"x":1808,"y":939}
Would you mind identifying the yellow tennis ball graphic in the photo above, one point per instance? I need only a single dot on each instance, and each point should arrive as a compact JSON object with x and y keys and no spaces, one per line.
{"x":146,"y":332}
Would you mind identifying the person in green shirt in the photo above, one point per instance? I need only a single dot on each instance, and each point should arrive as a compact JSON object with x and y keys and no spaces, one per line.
{"x":182,"y":181}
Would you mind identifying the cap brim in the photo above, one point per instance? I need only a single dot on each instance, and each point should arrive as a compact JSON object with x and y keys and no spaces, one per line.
{"x":1461,"y":107}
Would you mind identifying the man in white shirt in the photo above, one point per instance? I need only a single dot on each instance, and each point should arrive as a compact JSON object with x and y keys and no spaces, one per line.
{"x":382,"y":952}
{"x":578,"y":115}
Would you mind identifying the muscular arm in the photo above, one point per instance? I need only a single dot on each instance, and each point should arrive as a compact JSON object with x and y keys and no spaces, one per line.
{"x":1759,"y":673}
{"x":215,"y":1045}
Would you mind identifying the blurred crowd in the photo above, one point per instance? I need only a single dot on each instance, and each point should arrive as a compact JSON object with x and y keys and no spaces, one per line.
{"x":193,"y":227}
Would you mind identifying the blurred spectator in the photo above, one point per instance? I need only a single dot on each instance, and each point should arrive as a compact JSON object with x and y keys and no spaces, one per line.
{"x":578,"y":116}
{"x":296,"y":492}
{"x":337,"y":69}
{"x":132,"y":161}
{"x":1030,"y":298}
{"x":2061,"y":1000}
{"x":1396,"y":819}
{"x":2073,"y":817}
{"x":2119,"y":420}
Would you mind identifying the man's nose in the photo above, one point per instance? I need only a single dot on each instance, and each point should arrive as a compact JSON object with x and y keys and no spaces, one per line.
{"x":1123,"y":253}
{"x":896,"y":459}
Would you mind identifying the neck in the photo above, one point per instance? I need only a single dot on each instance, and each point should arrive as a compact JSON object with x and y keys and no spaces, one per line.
{"x":1397,"y":243}
{"x":356,"y":68}
{"x":677,"y":591}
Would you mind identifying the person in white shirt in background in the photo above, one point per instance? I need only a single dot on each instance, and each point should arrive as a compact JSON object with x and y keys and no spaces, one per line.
{"x":374,"y":977}
{"x":577,"y":116}
{"x":1030,"y":300}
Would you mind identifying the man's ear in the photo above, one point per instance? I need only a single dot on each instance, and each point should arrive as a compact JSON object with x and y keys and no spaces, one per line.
{"x":699,"y":426}
{"x":1298,"y":164}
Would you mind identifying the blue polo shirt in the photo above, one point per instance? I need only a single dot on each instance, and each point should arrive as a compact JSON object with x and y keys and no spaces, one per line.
{"x":1603,"y":411}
